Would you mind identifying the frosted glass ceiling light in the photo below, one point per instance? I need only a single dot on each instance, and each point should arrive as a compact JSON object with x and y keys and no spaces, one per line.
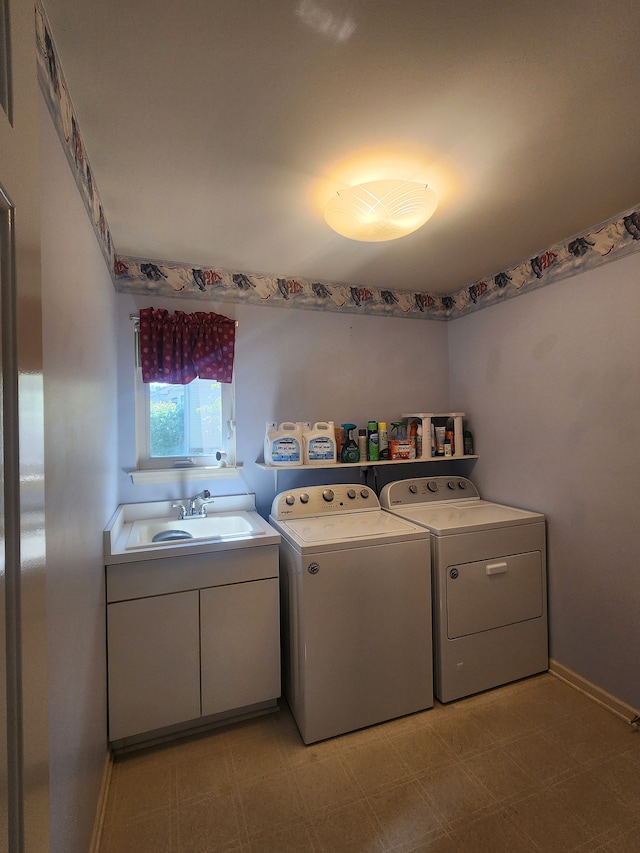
{"x":380,"y":210}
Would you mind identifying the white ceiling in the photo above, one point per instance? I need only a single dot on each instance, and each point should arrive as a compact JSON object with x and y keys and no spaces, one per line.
{"x":217,"y":129}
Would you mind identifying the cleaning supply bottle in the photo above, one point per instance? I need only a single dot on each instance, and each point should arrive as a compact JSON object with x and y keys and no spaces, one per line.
{"x":269,"y":437}
{"x":383,"y":440}
{"x":283,"y":444}
{"x":319,"y":443}
{"x":373,"y":450}
{"x":350,"y":452}
{"x":413,"y":432}
{"x":362,"y":443}
{"x":468,"y":442}
{"x":401,"y":447}
{"x":339,"y":436}
{"x":458,"y":436}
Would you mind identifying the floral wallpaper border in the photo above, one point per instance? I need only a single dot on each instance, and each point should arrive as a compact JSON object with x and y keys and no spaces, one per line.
{"x":54,"y":88}
{"x":606,"y":242}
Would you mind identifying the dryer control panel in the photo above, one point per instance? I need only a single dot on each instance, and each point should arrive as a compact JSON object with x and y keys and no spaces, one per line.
{"x":428,"y":490}
{"x":324,"y":500}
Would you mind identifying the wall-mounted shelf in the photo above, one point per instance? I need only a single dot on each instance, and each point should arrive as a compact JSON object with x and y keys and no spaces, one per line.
{"x":365,"y":464}
{"x":427,"y":419}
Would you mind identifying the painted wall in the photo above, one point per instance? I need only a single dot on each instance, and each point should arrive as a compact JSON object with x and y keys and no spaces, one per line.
{"x":553,"y":383}
{"x":80,"y":396}
{"x":294,"y":365}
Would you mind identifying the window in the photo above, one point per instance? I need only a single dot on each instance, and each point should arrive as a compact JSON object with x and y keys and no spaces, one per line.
{"x":182,"y":426}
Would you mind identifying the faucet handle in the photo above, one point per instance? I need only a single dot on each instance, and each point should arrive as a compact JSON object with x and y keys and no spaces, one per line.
{"x":182,"y":508}
{"x":203,"y":508}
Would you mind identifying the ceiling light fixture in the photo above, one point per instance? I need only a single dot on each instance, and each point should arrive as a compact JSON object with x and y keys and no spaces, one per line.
{"x":380,"y":210}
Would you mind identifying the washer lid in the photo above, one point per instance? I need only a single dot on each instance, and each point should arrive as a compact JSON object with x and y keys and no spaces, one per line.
{"x":450,"y":517}
{"x":349,"y":527}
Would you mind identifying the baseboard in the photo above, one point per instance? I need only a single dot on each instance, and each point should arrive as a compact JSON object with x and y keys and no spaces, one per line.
{"x":101,"y":808}
{"x":611,"y":703}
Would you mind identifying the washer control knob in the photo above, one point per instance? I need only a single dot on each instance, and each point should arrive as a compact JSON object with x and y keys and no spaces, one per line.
{"x":364,"y":493}
{"x":327,"y":494}
{"x":462,"y":484}
{"x":413,"y":489}
{"x":289,"y":500}
{"x":351,"y":493}
{"x":432,"y":486}
{"x":304,"y":498}
{"x":451,"y":484}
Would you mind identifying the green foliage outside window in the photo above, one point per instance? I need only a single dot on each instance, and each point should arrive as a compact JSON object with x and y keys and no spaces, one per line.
{"x":166,"y":429}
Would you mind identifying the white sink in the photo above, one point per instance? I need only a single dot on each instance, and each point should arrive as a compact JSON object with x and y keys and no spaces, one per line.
{"x":222,"y":525}
{"x":232,"y":523}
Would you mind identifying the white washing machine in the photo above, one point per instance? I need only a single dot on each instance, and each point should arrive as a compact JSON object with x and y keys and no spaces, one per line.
{"x":356,"y":609}
{"x":489,"y":583}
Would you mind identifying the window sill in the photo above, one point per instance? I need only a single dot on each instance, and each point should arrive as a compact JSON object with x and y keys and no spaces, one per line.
{"x":183,"y":475}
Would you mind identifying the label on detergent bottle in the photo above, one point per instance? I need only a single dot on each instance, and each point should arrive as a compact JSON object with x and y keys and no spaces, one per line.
{"x":285,"y":450}
{"x":322,"y":448}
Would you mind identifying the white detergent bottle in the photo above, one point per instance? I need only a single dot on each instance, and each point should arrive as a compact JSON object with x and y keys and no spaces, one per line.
{"x":320,"y":443}
{"x":283,"y":444}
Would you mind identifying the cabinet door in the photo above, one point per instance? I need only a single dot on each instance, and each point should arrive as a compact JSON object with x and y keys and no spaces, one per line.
{"x":240,"y":652}
{"x":154,"y":667}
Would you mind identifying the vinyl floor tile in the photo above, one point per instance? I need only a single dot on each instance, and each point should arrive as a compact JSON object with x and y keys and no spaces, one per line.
{"x":456,"y":796}
{"x":593,"y":803}
{"x":350,"y":829}
{"x":405,"y":816}
{"x":270,"y":802}
{"x":422,"y":748}
{"x":376,"y":766}
{"x":499,"y":773}
{"x":548,"y":822}
{"x":210,"y":825}
{"x":493,"y":833}
{"x":325,"y":785}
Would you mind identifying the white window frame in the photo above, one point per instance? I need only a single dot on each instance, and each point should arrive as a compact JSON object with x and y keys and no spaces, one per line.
{"x":171,"y":468}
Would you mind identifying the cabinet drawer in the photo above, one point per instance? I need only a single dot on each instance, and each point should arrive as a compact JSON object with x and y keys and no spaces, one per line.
{"x":145,"y":578}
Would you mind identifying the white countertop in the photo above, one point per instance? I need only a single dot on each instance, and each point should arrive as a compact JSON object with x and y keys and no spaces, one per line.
{"x":116,"y":534}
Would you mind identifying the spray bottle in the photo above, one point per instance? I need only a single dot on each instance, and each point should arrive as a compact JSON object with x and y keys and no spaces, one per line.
{"x":373,"y":449}
{"x":383,"y":440}
{"x":350,"y":452}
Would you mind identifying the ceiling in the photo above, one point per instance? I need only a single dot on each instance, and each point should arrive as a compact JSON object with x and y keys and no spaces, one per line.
{"x":217,"y":130}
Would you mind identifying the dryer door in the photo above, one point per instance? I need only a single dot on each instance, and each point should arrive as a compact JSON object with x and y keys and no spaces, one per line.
{"x":493,"y":593}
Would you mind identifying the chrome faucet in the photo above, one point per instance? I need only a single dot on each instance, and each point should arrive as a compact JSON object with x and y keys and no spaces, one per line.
{"x":194,"y":511}
{"x":204,"y":497}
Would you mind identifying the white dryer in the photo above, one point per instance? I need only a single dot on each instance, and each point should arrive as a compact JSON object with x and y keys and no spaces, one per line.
{"x":489,"y":583}
{"x":356,"y":609}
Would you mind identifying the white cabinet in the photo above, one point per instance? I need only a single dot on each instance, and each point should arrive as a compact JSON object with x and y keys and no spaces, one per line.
{"x":191,"y":637}
{"x":154,"y":666}
{"x":239,"y":658}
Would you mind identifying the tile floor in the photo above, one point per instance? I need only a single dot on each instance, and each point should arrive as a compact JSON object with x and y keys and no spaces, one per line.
{"x":533,"y":766}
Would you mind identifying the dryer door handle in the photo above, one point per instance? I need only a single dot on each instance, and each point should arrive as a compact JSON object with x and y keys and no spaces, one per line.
{"x":496,"y":568}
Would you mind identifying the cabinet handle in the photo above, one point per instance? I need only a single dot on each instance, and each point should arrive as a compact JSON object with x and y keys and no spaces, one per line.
{"x":496,"y":568}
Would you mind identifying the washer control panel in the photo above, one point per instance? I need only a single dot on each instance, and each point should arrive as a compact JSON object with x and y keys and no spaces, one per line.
{"x":428,"y":490}
{"x":324,"y":500}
